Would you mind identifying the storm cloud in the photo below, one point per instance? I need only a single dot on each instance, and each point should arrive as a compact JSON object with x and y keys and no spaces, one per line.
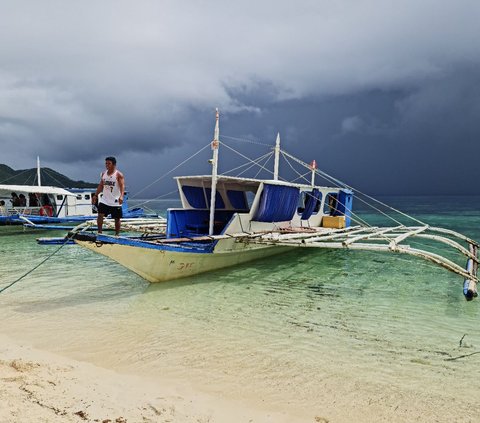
{"x":384,"y":95}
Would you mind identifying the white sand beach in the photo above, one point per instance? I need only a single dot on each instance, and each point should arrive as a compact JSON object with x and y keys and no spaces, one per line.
{"x":38,"y":386}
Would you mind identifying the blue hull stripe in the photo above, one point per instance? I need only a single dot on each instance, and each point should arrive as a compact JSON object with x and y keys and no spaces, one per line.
{"x":186,"y":247}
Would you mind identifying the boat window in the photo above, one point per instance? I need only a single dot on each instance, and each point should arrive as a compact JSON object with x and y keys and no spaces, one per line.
{"x":278,"y":203}
{"x":237,"y":199}
{"x":195,"y":196}
{"x":87,"y":196}
{"x":79,"y":196}
{"x":59,"y":197}
{"x":330,"y":203}
{"x":301,"y":202}
{"x":219,"y":203}
{"x":33,"y":199}
{"x":250,"y":195}
{"x":319,"y":203}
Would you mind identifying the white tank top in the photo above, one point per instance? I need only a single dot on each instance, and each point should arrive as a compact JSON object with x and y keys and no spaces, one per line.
{"x":111,"y":190}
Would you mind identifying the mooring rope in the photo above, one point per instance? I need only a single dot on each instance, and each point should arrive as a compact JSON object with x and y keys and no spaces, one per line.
{"x":68,"y":238}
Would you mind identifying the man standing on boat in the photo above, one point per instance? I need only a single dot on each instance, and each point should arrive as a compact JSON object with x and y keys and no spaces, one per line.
{"x":112,"y":187}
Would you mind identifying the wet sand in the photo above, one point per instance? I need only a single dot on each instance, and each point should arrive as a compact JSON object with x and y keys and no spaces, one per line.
{"x":39,"y":386}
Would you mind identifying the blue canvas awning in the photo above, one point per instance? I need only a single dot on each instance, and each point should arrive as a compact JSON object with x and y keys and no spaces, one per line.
{"x":278,"y":203}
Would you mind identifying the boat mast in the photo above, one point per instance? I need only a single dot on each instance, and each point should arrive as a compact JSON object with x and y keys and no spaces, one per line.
{"x":213,"y":195}
{"x":313,"y":166}
{"x":38,"y":172}
{"x":277,"y":157}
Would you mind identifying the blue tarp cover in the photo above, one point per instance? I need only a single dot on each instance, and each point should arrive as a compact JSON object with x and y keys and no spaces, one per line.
{"x":278,"y":203}
{"x":311,"y":203}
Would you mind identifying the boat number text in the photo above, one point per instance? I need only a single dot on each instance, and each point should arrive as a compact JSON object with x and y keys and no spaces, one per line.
{"x":182,"y":266}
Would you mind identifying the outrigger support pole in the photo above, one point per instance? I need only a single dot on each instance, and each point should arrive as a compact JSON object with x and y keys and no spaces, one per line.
{"x":213,"y":195}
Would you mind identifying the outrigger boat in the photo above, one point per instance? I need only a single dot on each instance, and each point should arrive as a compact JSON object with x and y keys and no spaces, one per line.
{"x":225,"y":221}
{"x":51,"y":206}
{"x":35,"y":206}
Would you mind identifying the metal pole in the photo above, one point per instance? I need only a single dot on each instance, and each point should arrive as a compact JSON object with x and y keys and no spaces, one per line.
{"x":215,"y":145}
{"x":313,"y":166}
{"x":277,"y":158}
{"x":38,"y":171}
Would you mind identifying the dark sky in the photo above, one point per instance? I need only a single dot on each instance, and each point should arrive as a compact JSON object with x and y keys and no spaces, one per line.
{"x":384,"y":95}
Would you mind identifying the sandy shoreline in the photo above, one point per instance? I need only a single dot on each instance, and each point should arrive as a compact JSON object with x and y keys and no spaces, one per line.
{"x":37,"y":386}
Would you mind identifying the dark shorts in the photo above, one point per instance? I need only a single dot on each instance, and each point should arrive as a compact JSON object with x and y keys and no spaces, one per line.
{"x":114,"y":211}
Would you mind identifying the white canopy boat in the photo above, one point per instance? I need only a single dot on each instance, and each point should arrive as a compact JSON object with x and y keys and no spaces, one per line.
{"x":225,"y":221}
{"x":40,"y":204}
{"x":43,"y":202}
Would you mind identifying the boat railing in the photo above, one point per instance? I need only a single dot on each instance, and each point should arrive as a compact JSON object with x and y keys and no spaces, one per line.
{"x":28,"y":211}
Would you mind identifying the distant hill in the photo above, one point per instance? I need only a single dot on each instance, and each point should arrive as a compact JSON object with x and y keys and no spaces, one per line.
{"x":48,"y":177}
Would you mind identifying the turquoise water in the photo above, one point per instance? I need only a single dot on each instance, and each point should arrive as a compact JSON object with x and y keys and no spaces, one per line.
{"x":288,"y":329}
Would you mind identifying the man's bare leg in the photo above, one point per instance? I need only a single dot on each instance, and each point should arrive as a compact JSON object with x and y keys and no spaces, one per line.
{"x":100,"y":223}
{"x":117,"y":226}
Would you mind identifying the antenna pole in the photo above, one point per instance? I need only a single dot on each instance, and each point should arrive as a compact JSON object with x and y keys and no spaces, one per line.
{"x":38,"y":172}
{"x":277,"y":157}
{"x":215,"y":145}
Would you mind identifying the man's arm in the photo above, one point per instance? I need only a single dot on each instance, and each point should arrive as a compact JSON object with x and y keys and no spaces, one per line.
{"x":98,"y":191}
{"x":121,"y":186}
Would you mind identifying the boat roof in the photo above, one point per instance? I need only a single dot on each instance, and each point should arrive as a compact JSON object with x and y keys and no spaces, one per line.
{"x":76,"y":190}
{"x":8,"y":189}
{"x":245,"y":182}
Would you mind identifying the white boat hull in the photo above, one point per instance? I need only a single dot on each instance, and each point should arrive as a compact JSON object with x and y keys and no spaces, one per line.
{"x":157,"y":265}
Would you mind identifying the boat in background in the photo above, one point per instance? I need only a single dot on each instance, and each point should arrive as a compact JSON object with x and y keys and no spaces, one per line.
{"x":225,"y":221}
{"x":39,"y":204}
{"x":53,"y":205}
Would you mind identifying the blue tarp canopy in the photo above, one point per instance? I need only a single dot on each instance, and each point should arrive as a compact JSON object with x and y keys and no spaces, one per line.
{"x":312,"y":203}
{"x":278,"y":203}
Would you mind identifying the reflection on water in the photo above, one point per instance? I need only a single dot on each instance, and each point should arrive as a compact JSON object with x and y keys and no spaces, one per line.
{"x":276,"y":327}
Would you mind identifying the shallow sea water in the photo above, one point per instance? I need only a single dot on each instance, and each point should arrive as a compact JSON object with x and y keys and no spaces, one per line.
{"x":285,"y":329}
